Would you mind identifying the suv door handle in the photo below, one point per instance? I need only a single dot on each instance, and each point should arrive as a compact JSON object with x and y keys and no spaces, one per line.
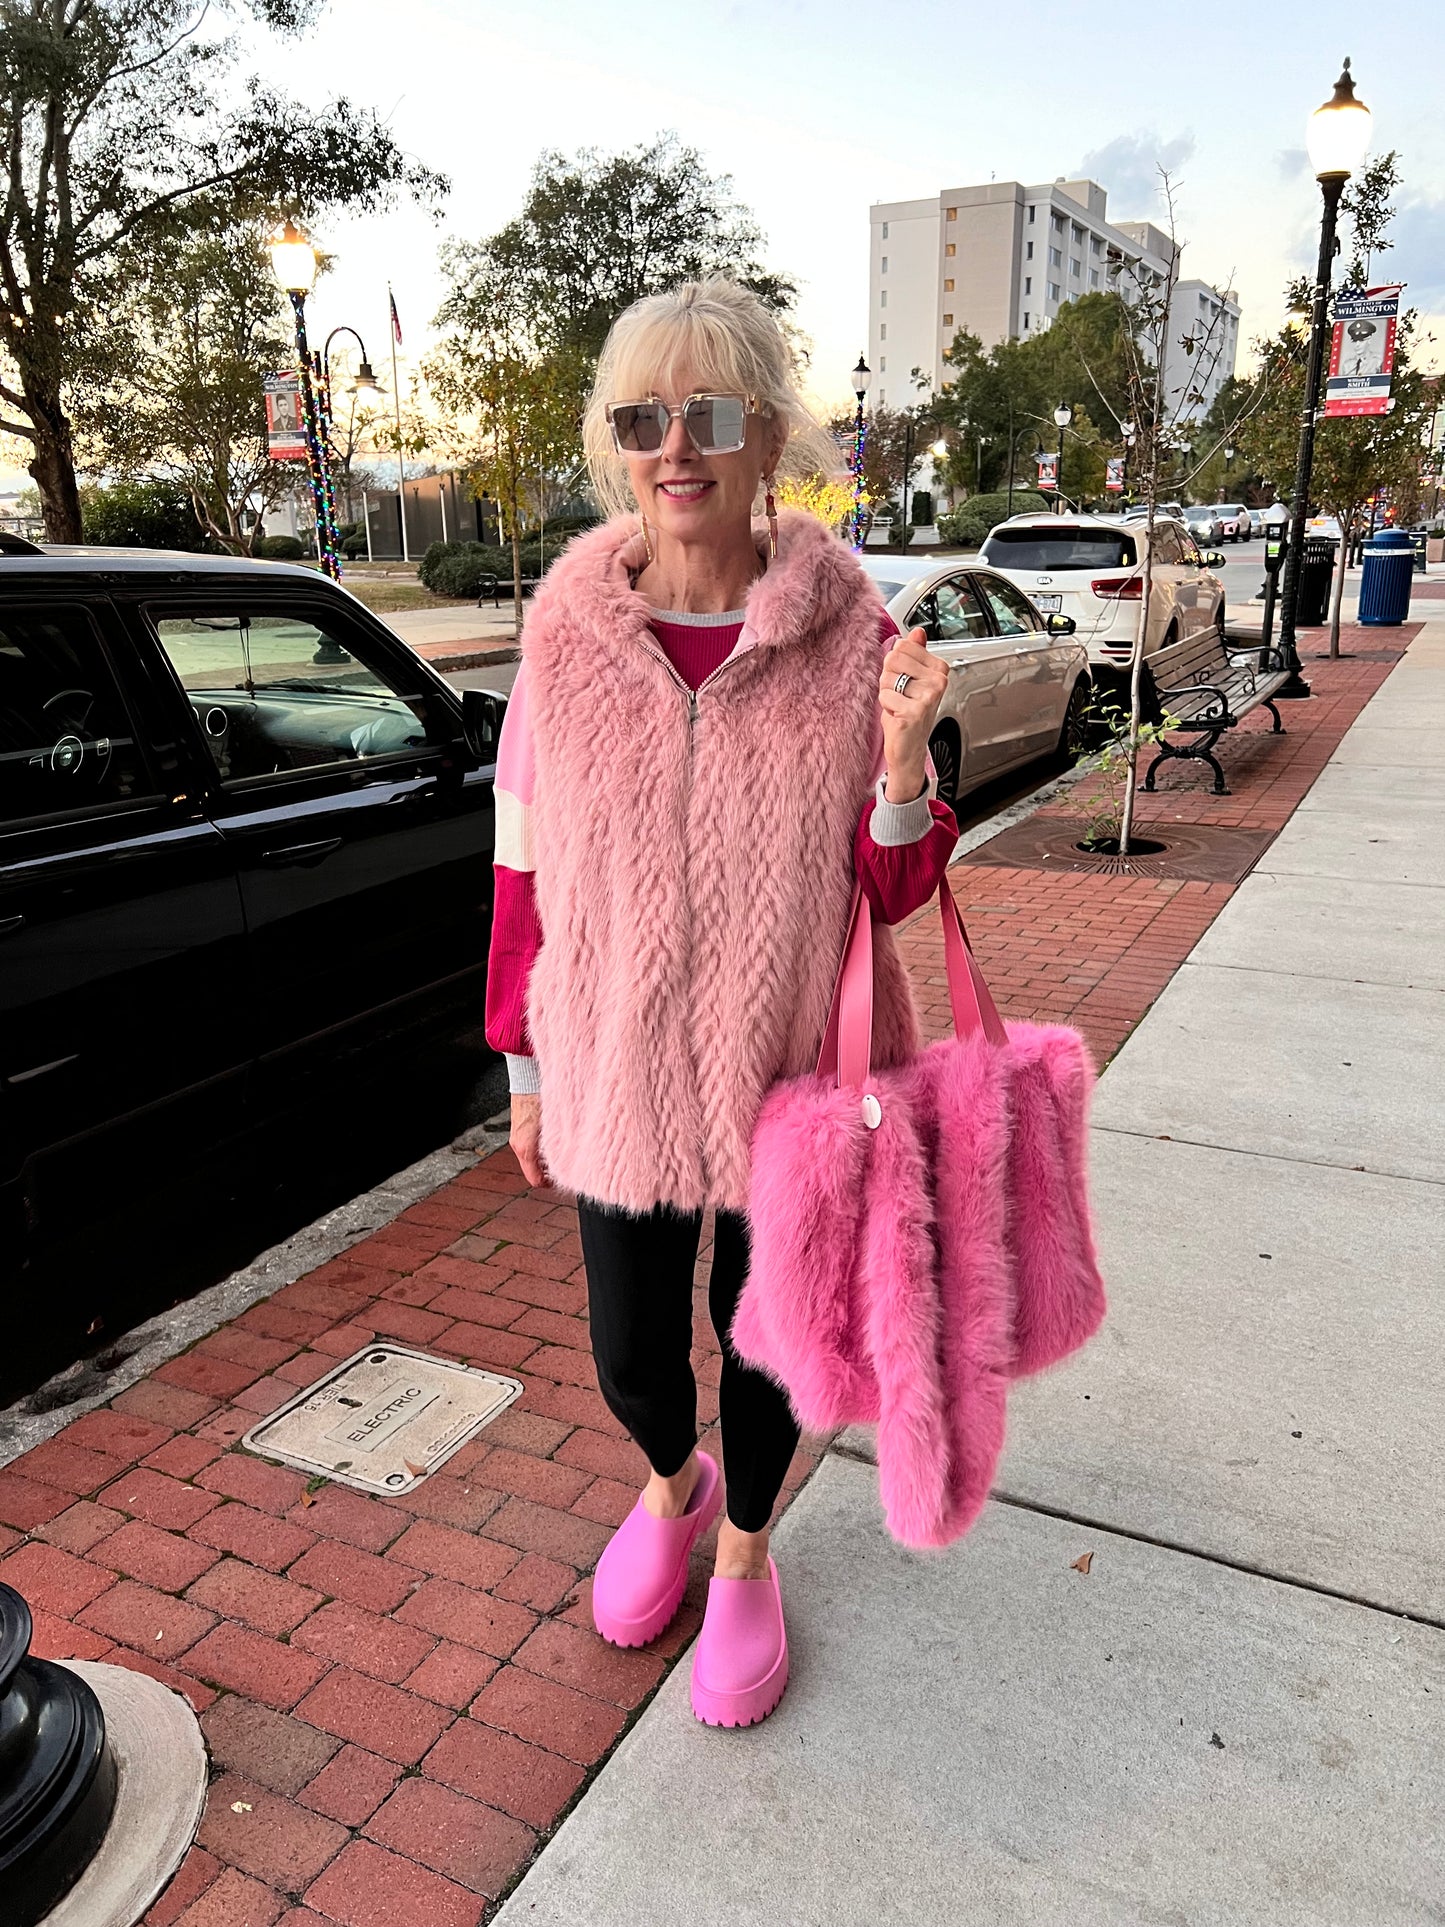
{"x":291,"y":853}
{"x":10,"y":925}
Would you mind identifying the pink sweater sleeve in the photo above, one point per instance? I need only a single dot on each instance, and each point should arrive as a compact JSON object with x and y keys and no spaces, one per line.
{"x":901,"y":850}
{"x":516,"y":927}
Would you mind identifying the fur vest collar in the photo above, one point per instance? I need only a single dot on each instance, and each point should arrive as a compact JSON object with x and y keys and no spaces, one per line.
{"x":694,"y":863}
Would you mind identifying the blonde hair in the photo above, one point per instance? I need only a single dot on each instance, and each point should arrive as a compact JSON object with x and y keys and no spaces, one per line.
{"x":726,"y":339}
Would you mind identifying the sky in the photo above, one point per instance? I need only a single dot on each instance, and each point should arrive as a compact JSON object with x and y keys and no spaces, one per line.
{"x":817,"y":110}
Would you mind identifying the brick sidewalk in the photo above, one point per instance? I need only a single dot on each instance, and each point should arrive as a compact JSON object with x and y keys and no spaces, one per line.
{"x":402,"y":1696}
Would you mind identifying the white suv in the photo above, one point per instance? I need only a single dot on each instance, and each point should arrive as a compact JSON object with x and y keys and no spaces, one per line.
{"x":1235,"y":518}
{"x":1093,"y":570}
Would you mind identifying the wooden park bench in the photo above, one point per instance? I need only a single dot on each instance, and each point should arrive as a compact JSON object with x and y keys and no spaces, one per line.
{"x":1206,"y":689}
{"x":493,"y":586}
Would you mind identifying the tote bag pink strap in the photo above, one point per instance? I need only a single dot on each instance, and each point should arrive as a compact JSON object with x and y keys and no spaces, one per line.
{"x":847,"y":1052}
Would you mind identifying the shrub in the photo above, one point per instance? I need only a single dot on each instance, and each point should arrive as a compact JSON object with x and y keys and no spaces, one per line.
{"x":922,"y":506}
{"x":457,"y":568}
{"x":281,"y":548}
{"x":970,"y":523}
{"x":142,"y":515}
{"x":353,"y":546}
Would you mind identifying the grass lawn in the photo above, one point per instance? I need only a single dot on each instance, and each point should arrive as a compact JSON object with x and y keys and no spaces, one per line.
{"x":387,"y":595}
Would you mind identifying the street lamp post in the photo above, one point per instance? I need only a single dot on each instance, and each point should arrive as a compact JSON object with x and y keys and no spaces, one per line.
{"x":293,"y":261}
{"x":862,"y":375}
{"x":908,"y":427}
{"x":1063,"y":415}
{"x":363,"y":383}
{"x":1337,"y":137}
{"x":938,"y":450}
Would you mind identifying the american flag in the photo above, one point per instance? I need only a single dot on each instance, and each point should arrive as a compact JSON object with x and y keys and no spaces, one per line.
{"x":395,"y":317}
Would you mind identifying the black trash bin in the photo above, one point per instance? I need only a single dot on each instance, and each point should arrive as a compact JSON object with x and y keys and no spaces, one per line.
{"x":1316,"y":571}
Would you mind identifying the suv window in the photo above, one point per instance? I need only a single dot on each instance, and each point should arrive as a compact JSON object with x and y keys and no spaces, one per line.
{"x":1065,"y":547}
{"x":1166,"y":542}
{"x":1012,"y":610}
{"x":275,"y":691}
{"x":66,"y":741}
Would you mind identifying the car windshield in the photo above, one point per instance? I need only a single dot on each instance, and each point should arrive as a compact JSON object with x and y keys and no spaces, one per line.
{"x":1060,"y":548}
{"x":1230,"y":508}
{"x":888,"y":589}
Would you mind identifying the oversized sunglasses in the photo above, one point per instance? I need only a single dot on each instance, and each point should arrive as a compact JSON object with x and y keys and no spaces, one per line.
{"x":715,"y":424}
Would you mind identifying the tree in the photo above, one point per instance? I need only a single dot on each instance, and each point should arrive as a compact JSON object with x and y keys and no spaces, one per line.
{"x":513,"y":407}
{"x":187,"y":406}
{"x":1354,"y":455}
{"x":115,"y":117}
{"x":599,"y":231}
{"x":143,"y":515}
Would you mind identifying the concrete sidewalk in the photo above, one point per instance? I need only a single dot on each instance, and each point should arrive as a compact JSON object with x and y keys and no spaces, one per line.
{"x":1235,"y":1715}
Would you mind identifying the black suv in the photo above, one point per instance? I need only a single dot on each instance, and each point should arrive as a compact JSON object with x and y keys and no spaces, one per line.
{"x":242,"y":826}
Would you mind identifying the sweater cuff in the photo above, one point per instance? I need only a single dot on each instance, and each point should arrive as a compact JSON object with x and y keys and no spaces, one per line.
{"x":894,"y":824}
{"x":523,"y":1076}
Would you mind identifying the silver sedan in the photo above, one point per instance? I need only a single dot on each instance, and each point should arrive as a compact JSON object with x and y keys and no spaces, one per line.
{"x":1018,"y":685}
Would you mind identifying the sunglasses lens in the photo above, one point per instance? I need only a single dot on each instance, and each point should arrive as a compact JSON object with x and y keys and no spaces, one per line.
{"x":717,"y":423}
{"x":639,"y":426}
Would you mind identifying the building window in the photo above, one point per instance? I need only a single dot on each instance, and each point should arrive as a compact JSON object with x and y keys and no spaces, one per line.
{"x":1053,"y":291}
{"x":1093,"y":277}
{"x":1076,"y":266}
{"x":951,"y":214}
{"x":1078,"y":235}
{"x":883,"y":299}
{"x":883,"y":332}
{"x":1028,"y":284}
{"x":950,"y":249}
{"x":1056,"y":259}
{"x":1028,"y":250}
{"x":1032,"y":212}
{"x":1058,"y":223}
{"x":882,"y":396}
{"x":885,"y":230}
{"x":883,"y":364}
{"x":948,"y":287}
{"x":1026,"y":320}
{"x":885,"y":264}
{"x":948,"y":321}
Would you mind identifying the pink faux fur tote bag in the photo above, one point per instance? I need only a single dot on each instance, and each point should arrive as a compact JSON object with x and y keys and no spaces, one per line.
{"x":921,"y":1235}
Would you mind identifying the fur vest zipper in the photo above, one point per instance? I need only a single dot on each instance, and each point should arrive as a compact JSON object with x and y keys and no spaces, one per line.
{"x":694,"y":864}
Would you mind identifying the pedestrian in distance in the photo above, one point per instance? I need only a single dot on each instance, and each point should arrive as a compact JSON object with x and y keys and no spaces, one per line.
{"x":714,"y":730}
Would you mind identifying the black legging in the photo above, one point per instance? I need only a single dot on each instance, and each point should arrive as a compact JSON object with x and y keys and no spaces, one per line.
{"x":639,"y":1296}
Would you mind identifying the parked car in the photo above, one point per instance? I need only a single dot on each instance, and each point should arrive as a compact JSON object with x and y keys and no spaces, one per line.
{"x":1234,"y":521}
{"x":243,"y":828}
{"x":1204,"y":524}
{"x":1093,"y":570}
{"x":1256,"y":521}
{"x":1018,"y":685}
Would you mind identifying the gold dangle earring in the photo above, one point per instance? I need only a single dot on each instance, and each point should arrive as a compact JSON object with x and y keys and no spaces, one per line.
{"x":770,"y":509}
{"x":646,"y":538}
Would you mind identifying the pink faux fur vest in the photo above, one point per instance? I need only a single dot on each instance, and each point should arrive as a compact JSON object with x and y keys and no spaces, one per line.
{"x":694,"y":864}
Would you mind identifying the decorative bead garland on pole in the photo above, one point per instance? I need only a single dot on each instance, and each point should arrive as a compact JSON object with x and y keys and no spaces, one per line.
{"x":318,"y":433}
{"x":861,"y":376}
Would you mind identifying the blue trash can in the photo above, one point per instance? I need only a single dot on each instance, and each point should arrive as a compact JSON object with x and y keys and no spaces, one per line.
{"x":1385,"y":579}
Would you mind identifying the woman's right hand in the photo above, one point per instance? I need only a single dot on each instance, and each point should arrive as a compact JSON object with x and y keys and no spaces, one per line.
{"x":526,"y":1134}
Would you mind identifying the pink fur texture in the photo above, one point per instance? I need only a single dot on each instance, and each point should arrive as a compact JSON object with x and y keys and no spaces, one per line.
{"x":901,"y":1276}
{"x":694,"y":876}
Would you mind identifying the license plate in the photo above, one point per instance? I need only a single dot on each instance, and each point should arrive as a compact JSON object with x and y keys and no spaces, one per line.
{"x":1050,"y":604}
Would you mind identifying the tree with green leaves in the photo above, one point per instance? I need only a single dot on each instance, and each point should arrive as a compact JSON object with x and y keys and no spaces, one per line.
{"x":512,"y":406}
{"x":1354,"y":455}
{"x":116,"y":116}
{"x":186,"y":405}
{"x":599,"y":231}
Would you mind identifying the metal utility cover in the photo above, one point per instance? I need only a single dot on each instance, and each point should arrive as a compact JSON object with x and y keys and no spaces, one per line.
{"x":383,"y":1419}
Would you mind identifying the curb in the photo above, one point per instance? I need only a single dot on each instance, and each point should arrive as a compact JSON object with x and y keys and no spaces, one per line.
{"x":83,"y":1385}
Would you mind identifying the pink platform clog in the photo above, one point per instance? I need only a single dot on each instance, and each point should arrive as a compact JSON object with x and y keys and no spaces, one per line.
{"x":740,"y":1662}
{"x":642,"y":1574}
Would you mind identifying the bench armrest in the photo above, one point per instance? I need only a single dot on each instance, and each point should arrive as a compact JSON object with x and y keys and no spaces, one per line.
{"x":1198,"y":689}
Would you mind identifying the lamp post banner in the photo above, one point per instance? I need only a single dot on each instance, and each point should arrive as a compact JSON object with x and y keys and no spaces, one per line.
{"x":1048,"y":471}
{"x":285,"y":421}
{"x":1362,"y":350}
{"x":1114,"y":474}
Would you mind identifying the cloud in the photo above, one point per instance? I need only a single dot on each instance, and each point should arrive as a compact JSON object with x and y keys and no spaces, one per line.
{"x":1129,"y":168}
{"x":1290,"y":163}
{"x":1418,"y":256}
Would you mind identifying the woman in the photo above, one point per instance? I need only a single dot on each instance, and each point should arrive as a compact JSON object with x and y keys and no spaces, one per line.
{"x":714,"y":728}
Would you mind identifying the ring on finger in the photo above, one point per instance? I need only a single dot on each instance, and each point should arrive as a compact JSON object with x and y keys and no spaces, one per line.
{"x":901,"y":683}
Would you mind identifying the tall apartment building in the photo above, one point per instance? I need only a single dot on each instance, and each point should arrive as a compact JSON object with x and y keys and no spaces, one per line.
{"x":1001,"y":259}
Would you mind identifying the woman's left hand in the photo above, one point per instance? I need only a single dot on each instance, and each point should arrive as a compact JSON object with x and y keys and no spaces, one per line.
{"x":909,"y":714}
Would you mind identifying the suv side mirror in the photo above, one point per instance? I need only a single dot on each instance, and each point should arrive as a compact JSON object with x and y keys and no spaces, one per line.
{"x":482,"y":712}
{"x":1059,"y":625}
